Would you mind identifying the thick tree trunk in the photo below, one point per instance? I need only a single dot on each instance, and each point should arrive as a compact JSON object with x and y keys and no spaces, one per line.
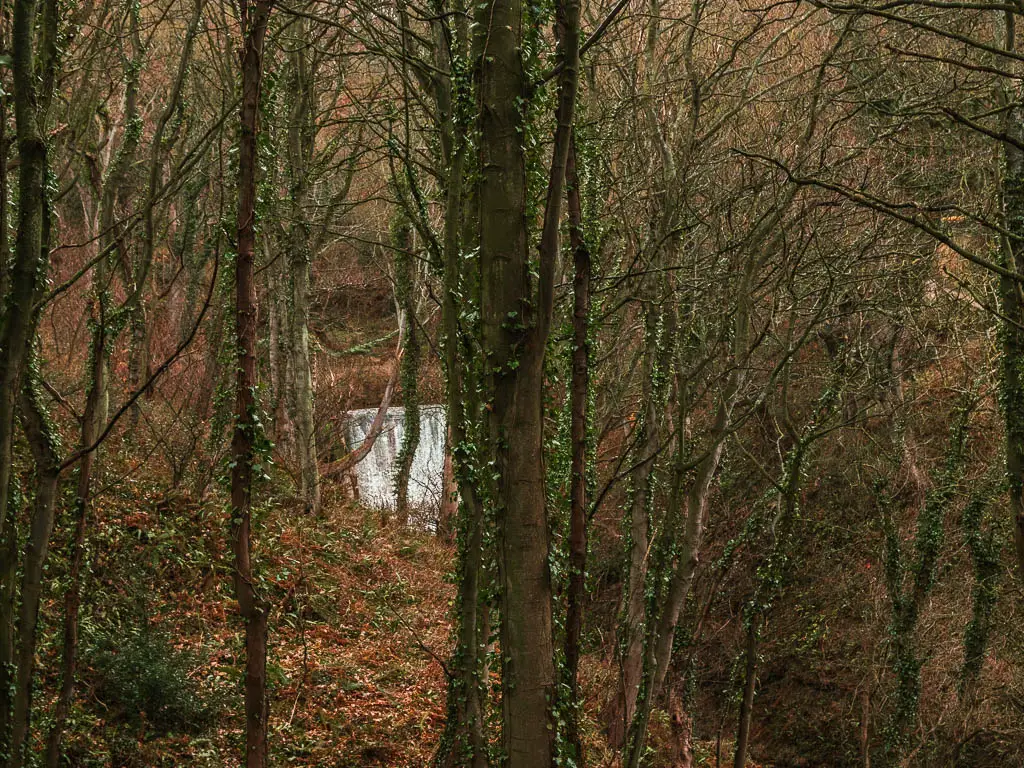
{"x":528,"y":671}
{"x":255,"y":17}
{"x":514,"y":383}
{"x":681,"y":728}
{"x":31,"y":95}
{"x":516,"y":324}
{"x":33,"y":56}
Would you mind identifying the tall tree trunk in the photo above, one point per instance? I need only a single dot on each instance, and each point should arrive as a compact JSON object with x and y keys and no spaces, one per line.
{"x":300,"y":370}
{"x":43,"y":443}
{"x":301,"y":145}
{"x":405,"y":284}
{"x":465,"y":741}
{"x":516,"y":325}
{"x":5,"y":146}
{"x":33,"y":58}
{"x":31,"y":98}
{"x":579,"y":393}
{"x":8,"y":607}
{"x":629,"y":648}
{"x":681,"y":570}
{"x":93,"y":417}
{"x":514,"y":383}
{"x":747,"y":697}
{"x":1012,"y":299}
{"x":255,"y":17}
{"x":8,"y":532}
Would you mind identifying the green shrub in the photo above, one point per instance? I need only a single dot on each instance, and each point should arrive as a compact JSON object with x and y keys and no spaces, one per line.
{"x":143,"y":678}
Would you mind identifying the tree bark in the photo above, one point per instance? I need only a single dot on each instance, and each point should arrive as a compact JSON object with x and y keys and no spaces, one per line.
{"x":1012,"y":302}
{"x":465,"y":741}
{"x":516,"y":325}
{"x":8,"y":639}
{"x":301,"y":140}
{"x":630,"y":647}
{"x":865,"y":728}
{"x":449,"y":494}
{"x":31,"y":98}
{"x":43,"y":444}
{"x":514,"y":383}
{"x":747,"y":699}
{"x":405,"y":281}
{"x":681,"y":727}
{"x":33,"y":58}
{"x":93,"y":417}
{"x":255,"y":17}
{"x":579,"y":392}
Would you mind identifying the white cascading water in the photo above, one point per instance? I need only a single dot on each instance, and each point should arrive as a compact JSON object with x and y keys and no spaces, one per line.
{"x":375,"y":474}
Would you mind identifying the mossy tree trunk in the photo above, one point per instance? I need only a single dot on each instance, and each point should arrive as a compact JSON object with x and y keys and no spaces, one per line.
{"x":43,"y":443}
{"x":688,"y":508}
{"x":1011,"y":293}
{"x":465,"y":740}
{"x":908,"y":600}
{"x":93,"y":417}
{"x":255,"y":16}
{"x":299,"y":377}
{"x":655,"y":367}
{"x":516,"y":310}
{"x":405,"y":294}
{"x":34,"y":50}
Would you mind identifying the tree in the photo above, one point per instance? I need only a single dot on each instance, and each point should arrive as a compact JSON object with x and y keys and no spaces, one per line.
{"x":246,"y":442}
{"x":34,"y":39}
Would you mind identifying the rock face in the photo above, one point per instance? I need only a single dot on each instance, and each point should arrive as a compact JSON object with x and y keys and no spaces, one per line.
{"x":375,"y":475}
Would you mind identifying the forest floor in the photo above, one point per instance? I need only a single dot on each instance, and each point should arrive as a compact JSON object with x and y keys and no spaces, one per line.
{"x":358,"y":613}
{"x":360,"y":625}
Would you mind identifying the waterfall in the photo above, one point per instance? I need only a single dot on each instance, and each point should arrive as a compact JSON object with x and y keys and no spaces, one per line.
{"x":375,"y":474}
